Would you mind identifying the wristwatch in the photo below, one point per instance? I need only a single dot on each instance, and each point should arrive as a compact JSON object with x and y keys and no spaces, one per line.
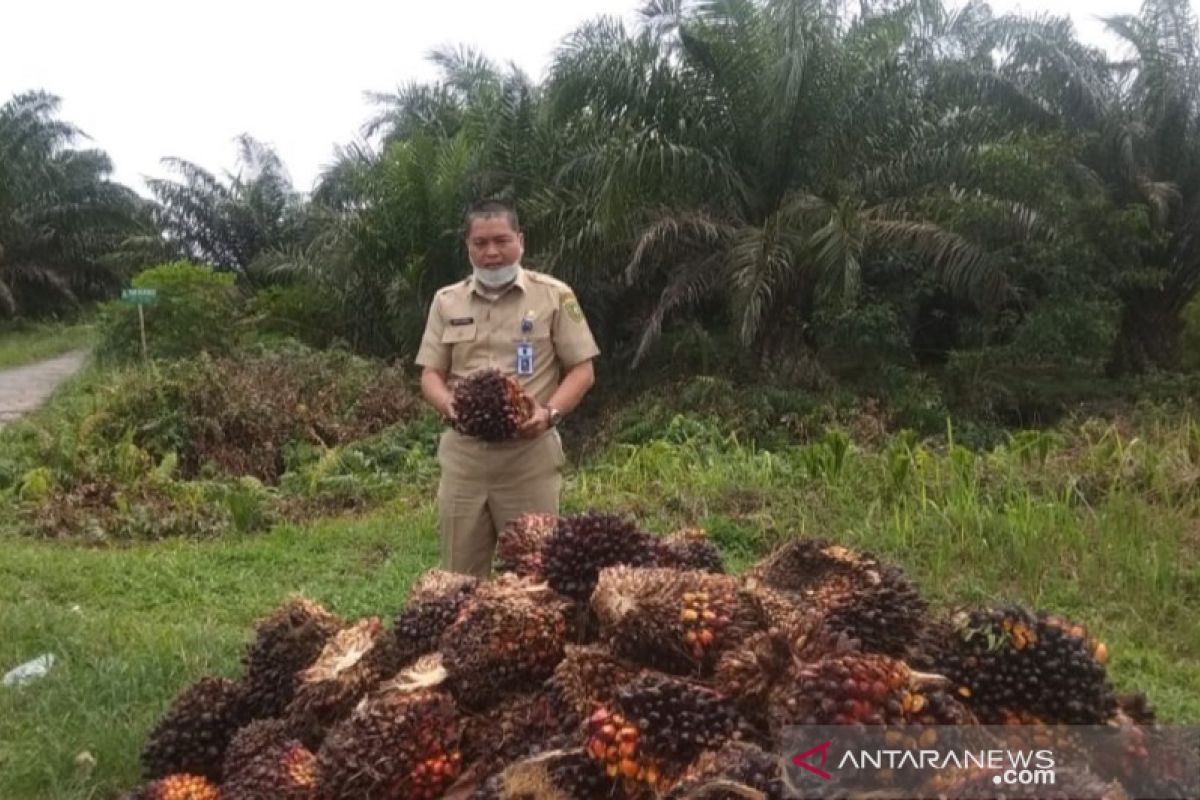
{"x":555,"y":415}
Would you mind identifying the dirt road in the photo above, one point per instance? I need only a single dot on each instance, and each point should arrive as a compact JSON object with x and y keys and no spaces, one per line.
{"x":22,"y":389}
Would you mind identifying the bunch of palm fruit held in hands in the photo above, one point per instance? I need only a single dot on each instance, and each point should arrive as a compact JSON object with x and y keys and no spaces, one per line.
{"x":490,"y":405}
{"x":604,"y":661}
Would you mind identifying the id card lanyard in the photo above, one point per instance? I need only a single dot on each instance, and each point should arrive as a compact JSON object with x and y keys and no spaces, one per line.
{"x":525,"y":347}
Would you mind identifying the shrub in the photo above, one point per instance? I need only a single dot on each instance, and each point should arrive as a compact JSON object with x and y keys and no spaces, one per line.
{"x":239,"y":416}
{"x":197,"y":310}
{"x":768,"y":416}
{"x":200,"y":447}
{"x":301,"y":311}
{"x":857,"y":342}
{"x":1068,"y":332}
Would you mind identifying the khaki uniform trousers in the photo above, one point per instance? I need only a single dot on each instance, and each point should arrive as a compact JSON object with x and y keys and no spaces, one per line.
{"x":484,"y":485}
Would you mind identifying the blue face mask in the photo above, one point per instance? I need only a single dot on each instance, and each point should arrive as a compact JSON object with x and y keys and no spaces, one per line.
{"x":496,"y":277}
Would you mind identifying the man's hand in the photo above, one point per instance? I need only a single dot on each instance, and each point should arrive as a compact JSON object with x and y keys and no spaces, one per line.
{"x":437,"y":393}
{"x":537,"y":424}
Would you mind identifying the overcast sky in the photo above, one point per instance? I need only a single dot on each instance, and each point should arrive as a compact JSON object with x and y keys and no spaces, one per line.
{"x":151,"y":79}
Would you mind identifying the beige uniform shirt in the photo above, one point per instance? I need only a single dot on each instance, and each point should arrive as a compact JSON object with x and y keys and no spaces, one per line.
{"x":468,"y":330}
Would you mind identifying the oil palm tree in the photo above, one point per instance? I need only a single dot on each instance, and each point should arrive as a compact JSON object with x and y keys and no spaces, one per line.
{"x":388,"y":236}
{"x":60,"y":214}
{"x":1141,"y":118}
{"x":391,"y":214}
{"x":757,"y":153}
{"x":228,"y":223}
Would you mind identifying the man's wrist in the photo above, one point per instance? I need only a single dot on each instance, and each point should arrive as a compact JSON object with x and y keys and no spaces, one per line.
{"x":555,"y":416}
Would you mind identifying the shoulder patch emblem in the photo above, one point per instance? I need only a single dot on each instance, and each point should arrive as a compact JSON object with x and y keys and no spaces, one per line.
{"x":571,"y":305}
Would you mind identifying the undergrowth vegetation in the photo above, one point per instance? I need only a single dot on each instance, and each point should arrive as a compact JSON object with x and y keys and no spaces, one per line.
{"x":25,"y":342}
{"x":199,"y":447}
{"x":206,"y":490}
{"x":1095,"y":519}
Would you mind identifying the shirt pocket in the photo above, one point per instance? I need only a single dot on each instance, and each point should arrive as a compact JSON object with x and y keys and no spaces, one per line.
{"x":455,"y":334}
{"x":460,"y":341}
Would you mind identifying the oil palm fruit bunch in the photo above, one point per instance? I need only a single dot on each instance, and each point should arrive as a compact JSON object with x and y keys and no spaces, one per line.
{"x":1135,"y":708}
{"x":1097,"y":648}
{"x":656,"y":726}
{"x":567,"y":774}
{"x":880,"y":609}
{"x":671,"y":620}
{"x":253,"y":740}
{"x":286,"y":641}
{"x":398,"y":744}
{"x":749,"y":672}
{"x":1122,"y":753}
{"x":518,"y":548}
{"x":584,"y":544}
{"x":781,"y":610}
{"x":862,"y":688}
{"x":738,"y":770}
{"x":433,"y":606}
{"x":506,"y":640}
{"x":587,"y":677}
{"x":1011,"y":659}
{"x":690,"y":548}
{"x":426,"y":672}
{"x":354,"y":661}
{"x":436,"y":583}
{"x":805,"y":563}
{"x":1025,"y":730}
{"x":519,"y":726}
{"x":264,"y":762}
{"x":192,"y":736}
{"x":858,"y":595}
{"x":179,"y":787}
{"x":1156,"y":762}
{"x":928,"y":648}
{"x":285,"y":771}
{"x":490,"y":405}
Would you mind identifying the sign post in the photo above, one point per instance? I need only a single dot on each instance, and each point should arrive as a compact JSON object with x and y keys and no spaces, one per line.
{"x":140,"y":298}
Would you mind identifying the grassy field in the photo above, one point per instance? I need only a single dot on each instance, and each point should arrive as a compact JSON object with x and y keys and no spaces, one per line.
{"x":1099,"y":522}
{"x":31,"y":342}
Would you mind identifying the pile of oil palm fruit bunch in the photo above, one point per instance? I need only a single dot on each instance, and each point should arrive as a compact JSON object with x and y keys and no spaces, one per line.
{"x":603,"y":661}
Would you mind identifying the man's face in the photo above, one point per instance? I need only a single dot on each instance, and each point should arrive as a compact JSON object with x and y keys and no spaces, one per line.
{"x":492,"y":243}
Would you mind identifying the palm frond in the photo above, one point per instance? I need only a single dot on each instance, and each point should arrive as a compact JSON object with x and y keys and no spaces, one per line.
{"x":761,"y":263}
{"x":962,"y":268}
{"x":661,"y":17}
{"x":1018,"y":222}
{"x":690,"y":283}
{"x":41,"y":276}
{"x":465,"y":69}
{"x":1160,"y":196}
{"x":690,"y":230}
{"x":1042,"y":51}
{"x":836,"y":250}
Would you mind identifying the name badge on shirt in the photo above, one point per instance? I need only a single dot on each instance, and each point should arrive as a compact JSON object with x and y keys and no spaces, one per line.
{"x":525,"y":359}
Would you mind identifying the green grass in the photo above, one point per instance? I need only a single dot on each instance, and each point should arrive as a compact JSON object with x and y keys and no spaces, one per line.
{"x":1096,"y":522}
{"x":131,"y":627}
{"x":30,"y":342}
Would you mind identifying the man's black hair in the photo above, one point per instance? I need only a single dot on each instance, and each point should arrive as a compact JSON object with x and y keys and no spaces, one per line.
{"x":491,"y":208}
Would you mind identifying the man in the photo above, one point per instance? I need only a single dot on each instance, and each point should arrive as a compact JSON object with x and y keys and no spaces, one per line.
{"x":525,"y":324}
